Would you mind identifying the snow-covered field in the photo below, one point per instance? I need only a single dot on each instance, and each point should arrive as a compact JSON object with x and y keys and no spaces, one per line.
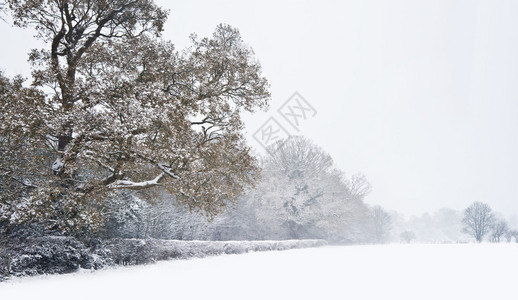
{"x":454,"y":271}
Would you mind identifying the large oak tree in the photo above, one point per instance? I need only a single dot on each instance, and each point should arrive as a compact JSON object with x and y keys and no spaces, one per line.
{"x":113,"y":106}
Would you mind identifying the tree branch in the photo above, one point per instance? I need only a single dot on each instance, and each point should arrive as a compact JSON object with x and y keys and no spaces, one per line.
{"x":128,"y":184}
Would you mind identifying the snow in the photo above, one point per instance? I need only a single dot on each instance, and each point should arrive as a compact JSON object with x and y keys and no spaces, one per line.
{"x":131,"y":184}
{"x":446,"y":271}
{"x":57,"y":165}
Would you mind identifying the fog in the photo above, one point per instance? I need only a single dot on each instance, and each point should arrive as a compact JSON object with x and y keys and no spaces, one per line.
{"x":387,"y":149}
{"x":419,"y":96}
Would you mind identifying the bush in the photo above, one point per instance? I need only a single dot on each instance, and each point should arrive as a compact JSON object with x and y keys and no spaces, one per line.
{"x":22,"y":253}
{"x":45,"y":255}
{"x":135,"y":251}
{"x":33,"y":249}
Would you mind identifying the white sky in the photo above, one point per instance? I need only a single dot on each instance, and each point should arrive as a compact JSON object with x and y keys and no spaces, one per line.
{"x":420,"y":96}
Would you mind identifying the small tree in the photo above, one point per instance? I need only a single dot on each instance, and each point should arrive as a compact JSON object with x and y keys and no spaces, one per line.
{"x":478,"y":220}
{"x":510,"y":234}
{"x":499,"y":229}
{"x":407,"y":236}
{"x":381,"y":222}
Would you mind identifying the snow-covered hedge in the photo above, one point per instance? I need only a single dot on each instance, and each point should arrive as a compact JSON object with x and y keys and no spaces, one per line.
{"x":44,"y":255}
{"x":58,"y":254}
{"x":134,"y":251}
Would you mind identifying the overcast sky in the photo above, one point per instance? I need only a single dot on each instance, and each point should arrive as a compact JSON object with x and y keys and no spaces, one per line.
{"x":420,"y":96}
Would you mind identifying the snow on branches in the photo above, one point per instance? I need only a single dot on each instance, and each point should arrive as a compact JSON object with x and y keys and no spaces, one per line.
{"x":115,"y":107}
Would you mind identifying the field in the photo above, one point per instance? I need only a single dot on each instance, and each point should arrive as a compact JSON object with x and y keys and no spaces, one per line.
{"x":448,"y":271}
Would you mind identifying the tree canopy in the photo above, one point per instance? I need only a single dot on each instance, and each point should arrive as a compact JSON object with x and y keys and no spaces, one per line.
{"x":113,"y":106}
{"x":302,"y":195}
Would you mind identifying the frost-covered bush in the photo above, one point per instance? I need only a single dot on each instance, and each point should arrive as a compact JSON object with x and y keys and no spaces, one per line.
{"x":60,"y":254}
{"x":34,"y":249}
{"x":134,"y":251}
{"x":45,"y":255}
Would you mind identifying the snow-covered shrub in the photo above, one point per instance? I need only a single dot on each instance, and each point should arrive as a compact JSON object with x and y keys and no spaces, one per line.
{"x":35,"y":249}
{"x":60,"y":254}
{"x":134,"y":251}
{"x":45,"y":255}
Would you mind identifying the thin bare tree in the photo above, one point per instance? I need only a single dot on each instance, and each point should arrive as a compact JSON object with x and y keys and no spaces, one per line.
{"x":478,"y":220}
{"x":499,"y":229}
{"x":381,"y":222}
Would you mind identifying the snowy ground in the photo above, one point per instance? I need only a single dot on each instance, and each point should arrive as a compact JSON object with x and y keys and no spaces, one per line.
{"x":464,"y":271}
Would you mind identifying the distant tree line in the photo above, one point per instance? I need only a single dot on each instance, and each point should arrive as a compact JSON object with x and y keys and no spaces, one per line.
{"x":480,"y":221}
{"x":476,"y":223}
